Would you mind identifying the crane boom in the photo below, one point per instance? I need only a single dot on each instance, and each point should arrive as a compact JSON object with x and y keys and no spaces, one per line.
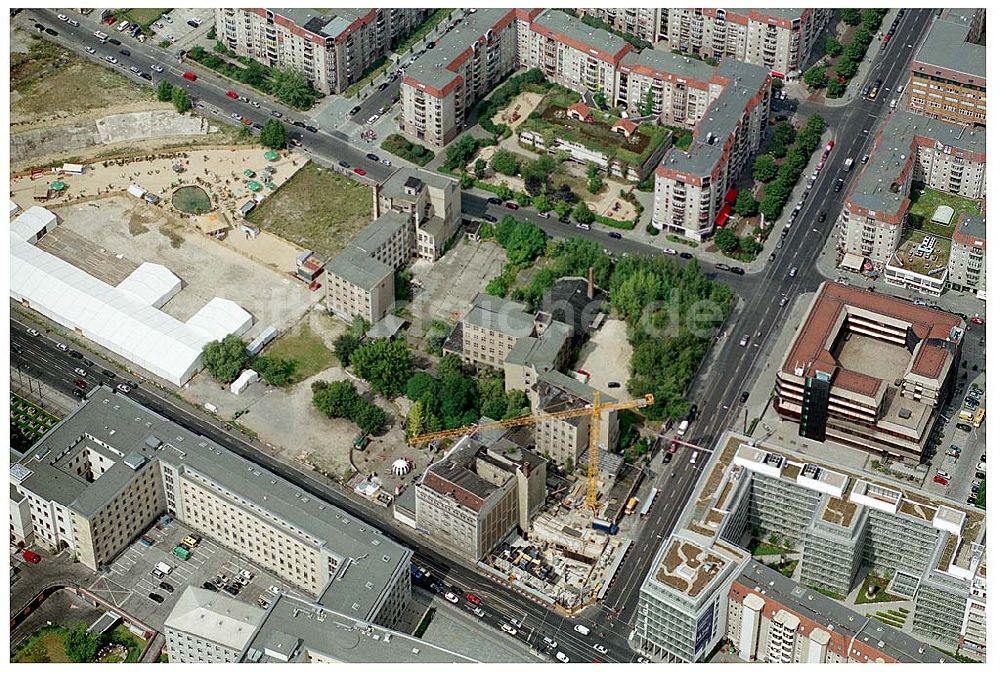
{"x":593,"y":410}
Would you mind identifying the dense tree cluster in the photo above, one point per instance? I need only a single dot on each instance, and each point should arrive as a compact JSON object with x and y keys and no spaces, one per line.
{"x":780,"y":189}
{"x":226,"y":359}
{"x":341,"y":400}
{"x":386,"y":364}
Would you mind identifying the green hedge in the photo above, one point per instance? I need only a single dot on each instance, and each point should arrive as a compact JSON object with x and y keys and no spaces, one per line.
{"x":611,"y":222}
{"x":400,"y":146}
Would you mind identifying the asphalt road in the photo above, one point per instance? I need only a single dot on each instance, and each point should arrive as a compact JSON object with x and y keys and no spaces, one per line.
{"x":39,"y":358}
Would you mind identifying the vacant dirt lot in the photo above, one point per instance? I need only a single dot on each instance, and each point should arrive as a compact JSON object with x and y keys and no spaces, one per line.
{"x":317,"y":209}
{"x":606,"y":357}
{"x":206,"y":268}
{"x":49,"y":84}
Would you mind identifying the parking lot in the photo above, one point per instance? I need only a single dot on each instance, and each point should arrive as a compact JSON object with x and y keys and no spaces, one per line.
{"x":177,"y":30}
{"x":129,"y":580}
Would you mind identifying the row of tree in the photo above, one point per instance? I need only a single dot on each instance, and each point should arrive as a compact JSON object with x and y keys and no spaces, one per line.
{"x":225,"y":360}
{"x":777,"y":192}
{"x":847,"y":67}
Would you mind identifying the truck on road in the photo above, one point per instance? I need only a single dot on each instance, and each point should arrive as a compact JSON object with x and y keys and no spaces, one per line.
{"x":848,"y":163}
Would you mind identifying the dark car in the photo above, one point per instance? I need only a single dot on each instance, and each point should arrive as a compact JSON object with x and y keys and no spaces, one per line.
{"x":430,"y":45}
{"x":687,"y":256}
{"x":511,"y":205}
{"x":822,"y":217}
{"x":193,"y":23}
{"x":155,"y":597}
{"x":258,"y":127}
{"x":565,"y":220}
{"x":614,"y":384}
{"x":209,"y":586}
{"x":311,"y":129}
{"x":109,"y":374}
{"x":980,"y":475}
{"x":355,"y":110}
{"x":490,"y":218}
{"x":383,"y":86}
{"x":299,"y":124}
{"x":737,"y":270}
{"x":495,"y":201}
{"x":964,"y":427}
{"x":146,"y":76}
{"x":124,"y":52}
{"x":722,"y":265}
{"x":76,"y":354}
{"x":744,"y":396}
{"x":51,"y":32}
{"x":373,"y":157}
{"x":39,"y":26}
{"x":839,"y":186}
{"x":667,"y":457}
{"x":167,"y":586}
{"x":78,"y":393}
{"x":615,"y":235}
{"x":343,"y":164}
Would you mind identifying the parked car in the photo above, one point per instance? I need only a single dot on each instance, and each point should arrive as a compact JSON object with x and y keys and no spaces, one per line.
{"x":550,"y":642}
{"x":614,"y":384}
{"x":122,"y":388}
{"x":490,"y":218}
{"x":156,"y":597}
{"x":670,"y":251}
{"x":600,"y":649}
{"x":583,"y":225}
{"x":964,"y":427}
{"x":209,"y":586}
{"x":686,"y":255}
{"x":473,"y":599}
{"x":371,"y":156}
{"x":744,"y":396}
{"x":511,"y":205}
{"x":822,"y":217}
{"x":582,"y":629}
{"x":167,"y":586}
{"x":343,"y":164}
{"x":31,"y":556}
{"x":32,"y":332}
{"x":793,"y":271}
{"x":744,"y":340}
{"x":360,"y":171}
{"x":561,"y":657}
{"x":615,"y":235}
{"x":508,"y":629}
{"x":450,"y":596}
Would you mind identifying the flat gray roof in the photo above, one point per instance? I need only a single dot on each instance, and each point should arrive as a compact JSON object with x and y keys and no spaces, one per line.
{"x":821,"y":609}
{"x":567,"y":392}
{"x":380,"y":230}
{"x":720,"y":120}
{"x":668,"y":62}
{"x":973,"y":225}
{"x":357,"y":267}
{"x":125,"y":425}
{"x":496,"y":313}
{"x":541,"y":351}
{"x":325,"y":22}
{"x":872,"y":189}
{"x":393,"y":187}
{"x":945,"y":45}
{"x":573,"y":28}
{"x":430,"y":68}
{"x":215,"y":616}
{"x":292,"y":629}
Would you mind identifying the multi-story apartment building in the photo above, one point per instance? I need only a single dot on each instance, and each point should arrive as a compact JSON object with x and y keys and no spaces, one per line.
{"x":360,"y":280}
{"x":691,"y":186}
{"x":106,"y":472}
{"x":776,"y":39}
{"x":835,"y":522}
{"x":967,"y":261}
{"x":775,"y":619}
{"x":908,"y":148}
{"x":499,"y":333}
{"x":332,"y":50}
{"x":869,"y":371}
{"x":948,"y":72}
{"x":972,"y":638}
{"x":642,"y":22}
{"x":433,"y":203}
{"x":682,"y":87}
{"x":574,"y":54}
{"x":445,"y":83}
{"x":478,"y":493}
{"x":566,"y":439}
{"x":209,"y":627}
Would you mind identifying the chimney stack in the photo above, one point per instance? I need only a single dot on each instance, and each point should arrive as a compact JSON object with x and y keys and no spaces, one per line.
{"x":590,"y":283}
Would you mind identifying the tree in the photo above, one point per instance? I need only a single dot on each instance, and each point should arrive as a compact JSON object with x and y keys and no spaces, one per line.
{"x":784,"y":133}
{"x":777,"y":84}
{"x":275,"y":371}
{"x":726,"y":240}
{"x":523,"y":241}
{"x":369,"y":417}
{"x":583,"y":214}
{"x":274,"y":135}
{"x":569,"y":466}
{"x":746,"y":205}
{"x":466,"y":180}
{"x":480,"y":169}
{"x":533,"y":185}
{"x":335,"y":399}
{"x":344,"y":346}
{"x":385,"y":364}
{"x":460,"y":152}
{"x":835,"y":89}
{"x":181,"y":100}
{"x":851,"y":17}
{"x":764,"y":169}
{"x":647,"y":104}
{"x":770,"y":207}
{"x":80,"y":645}
{"x":846,"y":68}
{"x":415,"y":420}
{"x":541,"y":203}
{"x":815,"y":77}
{"x":832,"y":47}
{"x":226,"y":359}
{"x":504,"y":191}
{"x":594,"y":181}
{"x":562,"y":209}
{"x":292,"y":88}
{"x":505,"y":162}
{"x":750,"y":246}
{"x":164,"y":91}
{"x":600,"y":100}
{"x":522,"y":199}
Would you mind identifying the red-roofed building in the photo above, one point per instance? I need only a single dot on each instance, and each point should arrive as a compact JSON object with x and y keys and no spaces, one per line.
{"x":625,"y":127}
{"x":869,"y":371}
{"x":580,"y":112}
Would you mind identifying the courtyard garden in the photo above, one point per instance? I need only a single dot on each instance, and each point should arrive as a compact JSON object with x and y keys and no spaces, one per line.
{"x":62,"y":644}
{"x":924,"y":201}
{"x":28,"y":422}
{"x":873,"y":589}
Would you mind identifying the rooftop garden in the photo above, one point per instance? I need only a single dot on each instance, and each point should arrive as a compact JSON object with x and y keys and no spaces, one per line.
{"x":924,"y":201}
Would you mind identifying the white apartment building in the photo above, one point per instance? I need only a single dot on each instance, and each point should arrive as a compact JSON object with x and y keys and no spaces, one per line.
{"x":682,"y":87}
{"x":776,"y":39}
{"x":691,"y":186}
{"x":967,"y":262}
{"x":642,"y":22}
{"x":908,"y":148}
{"x":105,"y":473}
{"x":332,"y":50}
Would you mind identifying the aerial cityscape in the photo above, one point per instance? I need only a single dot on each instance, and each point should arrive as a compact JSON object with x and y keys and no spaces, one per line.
{"x":498,"y":335}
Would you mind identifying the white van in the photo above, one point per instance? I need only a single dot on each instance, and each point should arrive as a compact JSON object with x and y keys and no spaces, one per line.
{"x":582,"y":629}
{"x":683,"y":427}
{"x":163,"y":568}
{"x":122,"y":26}
{"x":694,"y":457}
{"x":892,"y":104}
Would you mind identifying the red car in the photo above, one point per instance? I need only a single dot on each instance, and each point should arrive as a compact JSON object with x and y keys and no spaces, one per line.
{"x":940,"y":480}
{"x":473,"y":599}
{"x":360,"y":171}
{"x":978,"y":320}
{"x":829,"y":146}
{"x":80,"y":383}
{"x":674,"y":445}
{"x":31,"y":557}
{"x":233,"y":95}
{"x":246,"y":121}
{"x":190,"y":76}
{"x":511,"y":205}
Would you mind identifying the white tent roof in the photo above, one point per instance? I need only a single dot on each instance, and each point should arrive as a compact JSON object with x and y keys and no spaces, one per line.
{"x":14,"y":208}
{"x":219,"y":318}
{"x":31,"y":222}
{"x":115,"y":319}
{"x":136,"y":191}
{"x":151,"y":284}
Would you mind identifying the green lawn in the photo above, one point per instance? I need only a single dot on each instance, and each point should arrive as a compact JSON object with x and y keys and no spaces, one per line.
{"x":306,"y":348}
{"x":46,"y":645}
{"x":28,"y":422}
{"x":922,"y":265}
{"x":317,"y":209}
{"x":880,"y":596}
{"x":922,"y":208}
{"x":144,"y":16}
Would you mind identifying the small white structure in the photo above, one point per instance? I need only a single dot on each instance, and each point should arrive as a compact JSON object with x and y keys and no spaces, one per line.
{"x":219,"y":318}
{"x":136,"y":191}
{"x":14,"y":209}
{"x":73,"y":169}
{"x":246,"y":378}
{"x":401,"y":467}
{"x":32,"y":224}
{"x":151,"y":284}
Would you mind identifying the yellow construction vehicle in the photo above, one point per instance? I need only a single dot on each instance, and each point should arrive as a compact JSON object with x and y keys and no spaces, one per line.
{"x":593,"y":451}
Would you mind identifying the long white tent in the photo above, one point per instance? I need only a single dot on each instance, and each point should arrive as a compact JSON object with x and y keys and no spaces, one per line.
{"x":115,"y":319}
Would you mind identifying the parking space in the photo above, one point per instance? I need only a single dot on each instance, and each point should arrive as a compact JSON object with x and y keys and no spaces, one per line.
{"x":174,"y":27}
{"x":129,"y":580}
{"x":961,"y":455}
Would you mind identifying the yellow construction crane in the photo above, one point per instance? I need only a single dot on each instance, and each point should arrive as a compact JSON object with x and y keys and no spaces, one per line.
{"x":593,"y":451}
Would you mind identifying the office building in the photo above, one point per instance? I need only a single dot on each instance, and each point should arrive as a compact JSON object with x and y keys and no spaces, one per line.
{"x":110,"y":469}
{"x":909,"y":149}
{"x":563,"y":440}
{"x":776,"y":39}
{"x":479,"y":492}
{"x":333,"y":50}
{"x":948,"y":72}
{"x":967,"y":261}
{"x":869,"y":371}
{"x":834,"y":522}
{"x":432,"y":202}
{"x":972,"y":638}
{"x":208,"y":627}
{"x":691,"y":186}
